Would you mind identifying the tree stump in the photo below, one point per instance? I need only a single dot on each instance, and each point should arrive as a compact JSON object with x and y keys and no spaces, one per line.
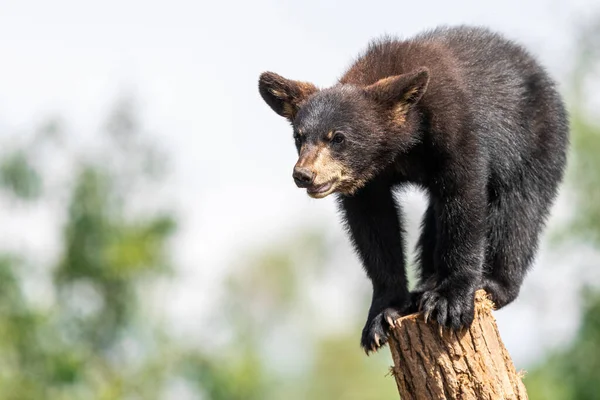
{"x":471,"y":364}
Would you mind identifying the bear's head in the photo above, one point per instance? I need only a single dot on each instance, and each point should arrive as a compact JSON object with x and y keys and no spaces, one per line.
{"x":345,"y":135}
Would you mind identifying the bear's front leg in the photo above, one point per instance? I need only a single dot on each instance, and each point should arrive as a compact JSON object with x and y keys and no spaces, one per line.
{"x":373,"y":219}
{"x":386,"y":308}
{"x":448,"y":296}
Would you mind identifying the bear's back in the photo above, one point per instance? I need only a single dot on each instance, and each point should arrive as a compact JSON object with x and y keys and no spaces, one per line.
{"x":492,"y":83}
{"x":474,"y":58}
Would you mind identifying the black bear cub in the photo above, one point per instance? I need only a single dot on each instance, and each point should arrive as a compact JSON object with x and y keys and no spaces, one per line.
{"x":469,"y":117}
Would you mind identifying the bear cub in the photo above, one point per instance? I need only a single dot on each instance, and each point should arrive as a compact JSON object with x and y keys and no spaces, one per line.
{"x":464,"y":114}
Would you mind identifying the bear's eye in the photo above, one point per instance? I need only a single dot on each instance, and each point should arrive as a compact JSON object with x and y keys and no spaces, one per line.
{"x":297,"y":138}
{"x":338,"y":138}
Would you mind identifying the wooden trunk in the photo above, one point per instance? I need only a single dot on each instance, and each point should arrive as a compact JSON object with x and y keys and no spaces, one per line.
{"x":471,"y":364}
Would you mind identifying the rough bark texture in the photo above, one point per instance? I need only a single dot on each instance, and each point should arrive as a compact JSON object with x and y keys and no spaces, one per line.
{"x":472,"y":364}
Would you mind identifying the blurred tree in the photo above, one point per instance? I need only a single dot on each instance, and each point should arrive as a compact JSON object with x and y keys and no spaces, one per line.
{"x":574,"y":372}
{"x":92,"y":341}
{"x":17,"y":175}
{"x":265,"y":297}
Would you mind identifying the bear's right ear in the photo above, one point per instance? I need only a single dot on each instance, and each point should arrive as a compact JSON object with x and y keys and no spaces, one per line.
{"x":283,"y":95}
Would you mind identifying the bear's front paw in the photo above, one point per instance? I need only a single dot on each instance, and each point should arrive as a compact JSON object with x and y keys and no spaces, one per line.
{"x":375,"y":332}
{"x":450,"y":307}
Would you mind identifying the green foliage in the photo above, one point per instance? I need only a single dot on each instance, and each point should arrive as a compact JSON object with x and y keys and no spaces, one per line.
{"x":89,"y":341}
{"x":235,"y":378}
{"x":343,"y":372}
{"x":264,"y":297}
{"x":574,"y":372}
{"x":583,"y":175}
{"x":585,"y":178}
{"x":19,"y":176}
{"x":109,"y":254}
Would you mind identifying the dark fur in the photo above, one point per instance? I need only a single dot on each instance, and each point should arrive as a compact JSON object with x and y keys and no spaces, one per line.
{"x":486,"y":141}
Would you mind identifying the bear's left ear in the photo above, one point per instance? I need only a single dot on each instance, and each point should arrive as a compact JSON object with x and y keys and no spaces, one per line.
{"x":284,"y":95}
{"x":400,"y":93}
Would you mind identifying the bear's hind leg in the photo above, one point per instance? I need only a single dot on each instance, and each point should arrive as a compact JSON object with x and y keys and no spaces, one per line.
{"x":515,"y":220}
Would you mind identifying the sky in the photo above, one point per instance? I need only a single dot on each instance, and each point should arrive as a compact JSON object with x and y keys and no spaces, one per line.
{"x":193,"y":66}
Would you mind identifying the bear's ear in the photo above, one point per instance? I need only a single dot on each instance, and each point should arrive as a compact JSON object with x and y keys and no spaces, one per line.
{"x":284,"y":95}
{"x":400,"y":92}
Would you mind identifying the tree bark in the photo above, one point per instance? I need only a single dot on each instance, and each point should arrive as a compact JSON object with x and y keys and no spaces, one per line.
{"x":471,"y":364}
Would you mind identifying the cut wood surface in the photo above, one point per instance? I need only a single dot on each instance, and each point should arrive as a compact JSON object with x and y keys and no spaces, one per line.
{"x":470,"y":364}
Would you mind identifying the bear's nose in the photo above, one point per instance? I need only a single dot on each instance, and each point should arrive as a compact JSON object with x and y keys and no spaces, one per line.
{"x":303,"y":177}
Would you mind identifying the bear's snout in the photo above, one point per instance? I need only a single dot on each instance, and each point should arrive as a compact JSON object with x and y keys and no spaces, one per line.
{"x":303,"y":177}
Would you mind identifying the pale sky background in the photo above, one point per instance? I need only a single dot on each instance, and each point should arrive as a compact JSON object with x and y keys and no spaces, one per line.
{"x":193,"y":68}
